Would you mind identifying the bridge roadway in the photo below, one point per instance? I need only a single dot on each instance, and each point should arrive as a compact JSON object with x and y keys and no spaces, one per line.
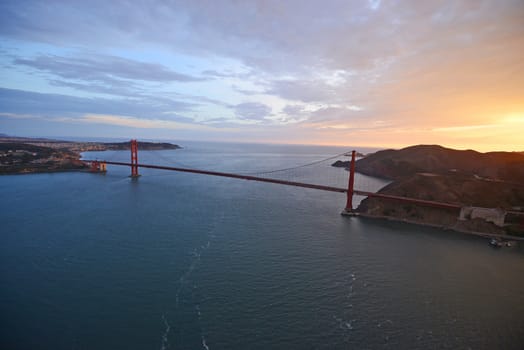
{"x":292,"y":183}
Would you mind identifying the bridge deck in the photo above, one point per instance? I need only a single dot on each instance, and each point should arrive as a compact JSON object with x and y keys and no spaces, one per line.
{"x":235,"y":176}
{"x":292,"y":183}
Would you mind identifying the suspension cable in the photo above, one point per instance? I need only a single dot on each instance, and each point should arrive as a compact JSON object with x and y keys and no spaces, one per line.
{"x":171,"y":161}
{"x":295,"y":167}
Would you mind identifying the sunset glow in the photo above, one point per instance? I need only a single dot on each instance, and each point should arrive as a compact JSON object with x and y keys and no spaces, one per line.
{"x":355,"y":73}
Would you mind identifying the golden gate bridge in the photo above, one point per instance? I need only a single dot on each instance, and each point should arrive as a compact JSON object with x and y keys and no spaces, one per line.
{"x":350,"y":190}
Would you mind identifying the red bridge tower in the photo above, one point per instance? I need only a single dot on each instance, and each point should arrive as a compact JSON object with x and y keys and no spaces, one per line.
{"x":351,"y":182}
{"x":134,"y":158}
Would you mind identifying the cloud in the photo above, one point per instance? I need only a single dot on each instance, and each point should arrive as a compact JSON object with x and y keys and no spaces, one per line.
{"x":137,"y":122}
{"x":129,"y":90}
{"x":271,"y":35}
{"x":252,"y":111}
{"x":417,"y":65}
{"x":214,"y":74}
{"x":294,"y":110}
{"x":274,"y":36}
{"x":374,"y":4}
{"x":302,"y":90}
{"x":102,"y":68}
{"x":26,"y":102}
{"x":114,"y":120}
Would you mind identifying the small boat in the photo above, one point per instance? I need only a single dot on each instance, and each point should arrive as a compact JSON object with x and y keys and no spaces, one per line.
{"x":495,"y":243}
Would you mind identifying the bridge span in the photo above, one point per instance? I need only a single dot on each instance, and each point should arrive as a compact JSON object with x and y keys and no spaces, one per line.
{"x":100,"y":166}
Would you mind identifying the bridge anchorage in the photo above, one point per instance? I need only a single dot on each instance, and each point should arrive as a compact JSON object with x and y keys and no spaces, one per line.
{"x":98,"y":166}
{"x":101,"y":166}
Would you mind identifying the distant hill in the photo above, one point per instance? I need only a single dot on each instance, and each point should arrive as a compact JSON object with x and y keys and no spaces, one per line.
{"x":398,"y":164}
{"x":145,"y":146}
{"x":79,"y":146}
{"x":20,"y":155}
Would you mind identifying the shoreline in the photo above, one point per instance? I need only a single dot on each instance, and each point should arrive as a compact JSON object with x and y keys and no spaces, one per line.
{"x":48,"y":171}
{"x":20,"y":156}
{"x":442,"y":227}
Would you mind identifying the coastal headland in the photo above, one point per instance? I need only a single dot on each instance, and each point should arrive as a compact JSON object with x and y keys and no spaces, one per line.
{"x":489,"y":187}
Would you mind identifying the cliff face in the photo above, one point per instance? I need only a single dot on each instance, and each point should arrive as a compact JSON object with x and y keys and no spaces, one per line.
{"x":434,"y":173}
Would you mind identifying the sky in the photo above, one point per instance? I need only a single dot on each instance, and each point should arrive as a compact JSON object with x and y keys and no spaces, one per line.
{"x":354,"y":73}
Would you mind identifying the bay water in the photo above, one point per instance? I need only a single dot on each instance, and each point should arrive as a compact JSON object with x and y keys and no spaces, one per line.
{"x":183,"y":261}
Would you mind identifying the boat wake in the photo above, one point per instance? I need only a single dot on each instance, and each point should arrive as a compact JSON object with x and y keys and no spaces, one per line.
{"x":204,"y":343}
{"x":346,"y":325}
{"x":185,"y":282}
{"x":195,"y":259}
{"x":165,"y":341}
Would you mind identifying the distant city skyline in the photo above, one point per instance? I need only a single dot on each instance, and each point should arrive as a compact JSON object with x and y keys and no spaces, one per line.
{"x":360,"y":73}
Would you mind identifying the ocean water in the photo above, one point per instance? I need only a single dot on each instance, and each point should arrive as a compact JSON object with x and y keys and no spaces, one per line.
{"x":183,"y":261}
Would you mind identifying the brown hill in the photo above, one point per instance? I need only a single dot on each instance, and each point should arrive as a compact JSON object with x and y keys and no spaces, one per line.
{"x":397,"y":164}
